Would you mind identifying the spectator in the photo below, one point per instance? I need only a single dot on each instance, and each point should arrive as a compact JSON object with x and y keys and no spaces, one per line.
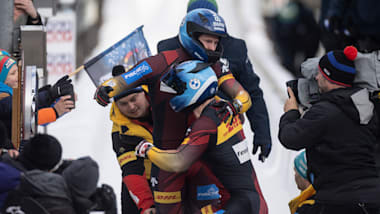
{"x":41,"y":152}
{"x":5,"y":142}
{"x":295,"y":35}
{"x":31,"y":179}
{"x":24,"y":13}
{"x":339,"y":134}
{"x":350,"y":23}
{"x":53,"y":101}
{"x":235,"y":54}
{"x":219,"y":143}
{"x":81,"y":176}
{"x":302,"y":203}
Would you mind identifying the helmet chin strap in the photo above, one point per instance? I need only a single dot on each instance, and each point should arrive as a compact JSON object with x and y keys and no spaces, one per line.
{"x":214,"y":56}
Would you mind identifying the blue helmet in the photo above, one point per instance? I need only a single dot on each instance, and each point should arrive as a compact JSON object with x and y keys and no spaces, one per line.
{"x":197,"y":22}
{"x":192,"y":81}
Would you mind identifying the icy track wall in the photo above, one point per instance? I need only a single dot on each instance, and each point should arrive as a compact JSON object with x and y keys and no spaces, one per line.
{"x":87,"y":130}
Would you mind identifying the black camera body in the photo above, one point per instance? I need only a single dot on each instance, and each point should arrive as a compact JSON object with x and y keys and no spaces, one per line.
{"x":305,"y":90}
{"x":293,"y":84}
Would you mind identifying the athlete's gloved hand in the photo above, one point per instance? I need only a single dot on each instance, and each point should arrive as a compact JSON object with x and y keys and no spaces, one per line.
{"x":105,"y":199}
{"x":350,"y":31}
{"x":228,"y":110}
{"x":265,"y":148}
{"x":142,"y":148}
{"x":332,"y":24}
{"x":101,"y":95}
{"x":62,"y":87}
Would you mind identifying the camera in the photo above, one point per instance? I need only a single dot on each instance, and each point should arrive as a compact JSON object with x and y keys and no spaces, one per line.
{"x":305,"y":90}
{"x":293,"y":84}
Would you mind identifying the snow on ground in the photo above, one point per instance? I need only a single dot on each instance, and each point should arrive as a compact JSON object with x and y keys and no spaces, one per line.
{"x":87,"y":130}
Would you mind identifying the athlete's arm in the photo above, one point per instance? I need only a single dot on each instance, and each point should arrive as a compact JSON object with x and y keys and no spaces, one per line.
{"x":232,"y":88}
{"x":132,"y":167}
{"x":180,"y":159}
{"x":130,"y":79}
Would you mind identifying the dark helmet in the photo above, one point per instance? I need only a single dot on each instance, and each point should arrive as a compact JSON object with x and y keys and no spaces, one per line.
{"x":201,"y":21}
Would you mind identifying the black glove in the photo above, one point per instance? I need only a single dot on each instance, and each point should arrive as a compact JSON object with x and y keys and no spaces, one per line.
{"x":333,"y":24}
{"x":101,"y":95}
{"x":117,"y":70}
{"x":227,"y":109}
{"x":265,"y":149}
{"x":105,"y":199}
{"x":350,"y":31}
{"x":62,"y":87}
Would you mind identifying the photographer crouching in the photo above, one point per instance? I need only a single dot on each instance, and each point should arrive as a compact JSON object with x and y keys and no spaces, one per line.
{"x":339,"y":133}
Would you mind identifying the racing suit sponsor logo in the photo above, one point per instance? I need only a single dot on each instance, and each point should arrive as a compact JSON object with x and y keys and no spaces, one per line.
{"x":207,"y":210}
{"x":241,"y":151}
{"x":153,"y":181}
{"x":126,"y":158}
{"x":14,"y":210}
{"x":225,"y":65}
{"x":137,"y":73}
{"x":227,"y":130}
{"x":207,"y":192}
{"x":167,"y":197}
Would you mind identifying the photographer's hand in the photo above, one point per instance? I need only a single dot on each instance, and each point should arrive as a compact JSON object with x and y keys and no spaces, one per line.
{"x":290,"y":103}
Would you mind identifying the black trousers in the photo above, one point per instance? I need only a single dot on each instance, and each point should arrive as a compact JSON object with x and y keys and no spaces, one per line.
{"x":128,"y":206}
{"x":360,"y":208}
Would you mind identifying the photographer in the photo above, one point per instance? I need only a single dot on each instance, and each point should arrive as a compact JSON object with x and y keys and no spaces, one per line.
{"x":339,"y":134}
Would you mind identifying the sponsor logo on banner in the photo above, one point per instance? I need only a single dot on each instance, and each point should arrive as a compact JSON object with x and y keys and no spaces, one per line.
{"x":167,"y":197}
{"x":137,"y":73}
{"x":207,"y":192}
{"x":61,"y":44}
{"x":126,"y":158}
{"x":241,"y":151}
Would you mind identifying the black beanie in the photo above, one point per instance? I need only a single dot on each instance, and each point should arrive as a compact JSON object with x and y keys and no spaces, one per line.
{"x":41,"y":152}
{"x":338,"y":66}
{"x":82,"y":176}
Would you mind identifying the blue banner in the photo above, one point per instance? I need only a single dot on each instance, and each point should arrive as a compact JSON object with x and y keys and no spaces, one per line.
{"x":126,"y":52}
